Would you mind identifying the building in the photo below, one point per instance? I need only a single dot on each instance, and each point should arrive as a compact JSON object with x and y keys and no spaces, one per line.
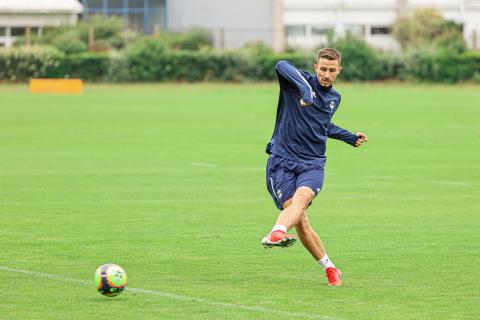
{"x":307,"y":22}
{"x":25,"y":17}
{"x":143,"y":16}
{"x":230,"y":26}
{"x":277,"y":23}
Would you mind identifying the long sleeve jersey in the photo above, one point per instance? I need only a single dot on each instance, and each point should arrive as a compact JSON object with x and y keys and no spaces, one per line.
{"x":301,"y":132}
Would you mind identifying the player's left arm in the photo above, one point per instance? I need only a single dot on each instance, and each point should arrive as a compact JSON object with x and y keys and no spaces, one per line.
{"x":354,"y":139}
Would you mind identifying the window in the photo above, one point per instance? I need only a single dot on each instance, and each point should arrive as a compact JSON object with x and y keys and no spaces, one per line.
{"x":115,"y":4}
{"x":295,"y":30}
{"x":320,"y":31}
{"x":93,"y":3}
{"x":135,"y":21}
{"x":18,"y":31}
{"x":156,"y":15}
{"x":356,"y":30}
{"x":3,"y":31}
{"x":380,"y":30}
{"x":135,"y":4}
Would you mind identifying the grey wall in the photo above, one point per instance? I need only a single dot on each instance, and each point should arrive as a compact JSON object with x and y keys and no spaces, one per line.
{"x":242,"y":21}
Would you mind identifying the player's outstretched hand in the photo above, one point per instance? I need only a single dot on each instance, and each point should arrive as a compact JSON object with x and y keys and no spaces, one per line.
{"x":362,"y":138}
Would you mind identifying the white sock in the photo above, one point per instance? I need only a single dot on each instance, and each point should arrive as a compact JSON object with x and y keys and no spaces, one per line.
{"x":279,"y":227}
{"x":326,"y":263}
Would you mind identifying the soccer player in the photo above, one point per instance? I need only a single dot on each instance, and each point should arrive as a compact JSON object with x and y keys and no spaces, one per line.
{"x":295,"y":167}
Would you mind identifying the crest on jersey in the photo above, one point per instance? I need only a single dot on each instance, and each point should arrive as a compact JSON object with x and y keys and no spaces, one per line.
{"x":332,"y":105}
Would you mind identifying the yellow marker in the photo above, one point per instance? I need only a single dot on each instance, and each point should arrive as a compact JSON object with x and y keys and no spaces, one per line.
{"x":68,"y":86}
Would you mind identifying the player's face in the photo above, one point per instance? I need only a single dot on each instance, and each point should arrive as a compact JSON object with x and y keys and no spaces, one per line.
{"x":327,"y":71}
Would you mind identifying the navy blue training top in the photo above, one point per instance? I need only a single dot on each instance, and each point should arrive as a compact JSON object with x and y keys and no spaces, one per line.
{"x":301,"y":132}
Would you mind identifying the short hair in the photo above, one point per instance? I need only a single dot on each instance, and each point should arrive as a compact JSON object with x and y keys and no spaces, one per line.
{"x":330,"y":54}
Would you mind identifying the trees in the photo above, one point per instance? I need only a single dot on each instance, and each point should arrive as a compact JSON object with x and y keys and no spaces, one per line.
{"x":427,"y":30}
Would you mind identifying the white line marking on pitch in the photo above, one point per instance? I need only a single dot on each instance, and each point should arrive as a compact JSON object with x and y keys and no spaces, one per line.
{"x":175,"y":296}
{"x":203,"y":164}
{"x":453,"y":183}
{"x":385,"y":177}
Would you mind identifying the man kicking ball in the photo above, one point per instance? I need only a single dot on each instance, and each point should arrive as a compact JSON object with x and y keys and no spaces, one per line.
{"x":295,"y":167}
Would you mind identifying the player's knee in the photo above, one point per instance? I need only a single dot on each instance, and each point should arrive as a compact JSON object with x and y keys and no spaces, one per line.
{"x":303,"y":197}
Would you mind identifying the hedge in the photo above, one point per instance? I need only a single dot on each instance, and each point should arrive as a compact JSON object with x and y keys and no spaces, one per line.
{"x":20,"y":65}
{"x":149,"y":62}
{"x":87,"y":66}
{"x":441,"y":67}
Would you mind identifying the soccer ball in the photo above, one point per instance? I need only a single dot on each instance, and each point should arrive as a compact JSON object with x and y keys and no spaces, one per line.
{"x":110,"y":279}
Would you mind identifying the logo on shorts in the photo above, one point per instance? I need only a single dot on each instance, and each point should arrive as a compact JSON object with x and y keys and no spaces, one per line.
{"x":332,"y":105}
{"x":318,"y":190}
{"x":279,"y":194}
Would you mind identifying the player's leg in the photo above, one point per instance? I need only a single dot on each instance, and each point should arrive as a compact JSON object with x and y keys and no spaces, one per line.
{"x":294,"y":209}
{"x":312,"y":242}
{"x":281,"y":184}
{"x":313,"y":179}
{"x":309,"y":238}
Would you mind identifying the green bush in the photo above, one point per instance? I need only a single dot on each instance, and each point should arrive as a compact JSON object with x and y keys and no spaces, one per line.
{"x":147,"y":60}
{"x":438,"y":67}
{"x":390,"y":66}
{"x":118,"y":69}
{"x":87,"y":66}
{"x":359,"y":60}
{"x":21,"y":64}
{"x":194,"y":39}
{"x":191,"y":66}
{"x":263,"y":65}
{"x":108,"y":32}
{"x":69,"y":42}
{"x":426,"y":29}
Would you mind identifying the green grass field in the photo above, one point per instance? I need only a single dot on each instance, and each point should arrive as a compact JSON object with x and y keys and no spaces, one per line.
{"x":168,"y":182}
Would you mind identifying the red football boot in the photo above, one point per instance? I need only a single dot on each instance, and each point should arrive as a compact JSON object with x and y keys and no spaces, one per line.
{"x":334,"y":277}
{"x":278,"y":238}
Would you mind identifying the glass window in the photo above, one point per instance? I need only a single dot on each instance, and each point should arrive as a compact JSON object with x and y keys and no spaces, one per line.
{"x":295,"y":30}
{"x":156,"y":15}
{"x":358,"y":31}
{"x":116,"y":4}
{"x":318,"y":31}
{"x":94,"y":3}
{"x":135,"y":21}
{"x":136,"y":4}
{"x":18,"y":31}
{"x":380,"y":30}
{"x":3,"y":31}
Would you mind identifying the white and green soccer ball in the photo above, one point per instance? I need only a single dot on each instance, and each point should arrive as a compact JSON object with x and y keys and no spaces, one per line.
{"x":110,"y":279}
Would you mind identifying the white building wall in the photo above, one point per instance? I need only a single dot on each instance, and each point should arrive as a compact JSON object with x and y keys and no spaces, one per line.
{"x":232,"y":23}
{"x":37,"y":20}
{"x":35,"y":14}
{"x":343,"y":15}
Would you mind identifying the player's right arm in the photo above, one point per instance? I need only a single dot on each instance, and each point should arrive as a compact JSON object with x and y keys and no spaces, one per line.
{"x":290,"y":75}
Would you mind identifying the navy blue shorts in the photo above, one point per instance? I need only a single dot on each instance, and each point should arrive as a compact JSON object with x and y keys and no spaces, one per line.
{"x":285,"y":176}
